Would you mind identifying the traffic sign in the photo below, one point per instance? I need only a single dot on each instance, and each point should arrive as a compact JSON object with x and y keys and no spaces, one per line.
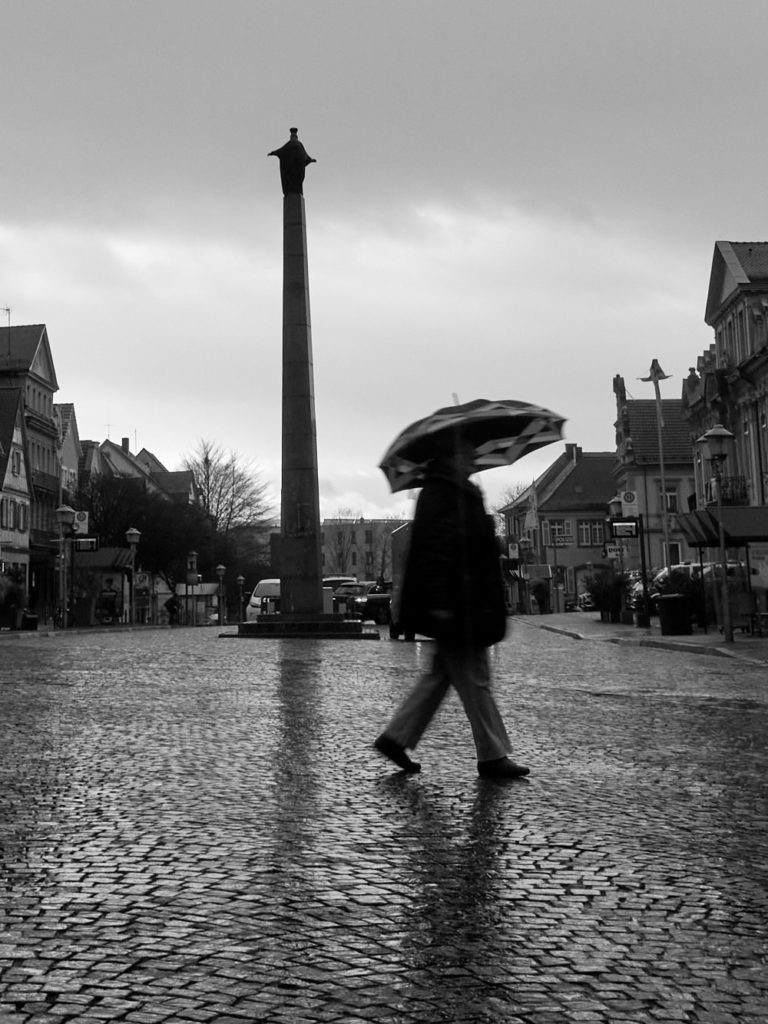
{"x":80,"y":525}
{"x":629,"y":505}
{"x":624,"y":527}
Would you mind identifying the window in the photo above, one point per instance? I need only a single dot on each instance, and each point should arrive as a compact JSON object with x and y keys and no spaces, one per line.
{"x":558,"y":531}
{"x":584,"y":528}
{"x":16,"y":463}
{"x":590,"y":533}
{"x":670,"y":505}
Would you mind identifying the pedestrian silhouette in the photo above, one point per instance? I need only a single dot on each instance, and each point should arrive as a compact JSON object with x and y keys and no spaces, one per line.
{"x":452,"y":591}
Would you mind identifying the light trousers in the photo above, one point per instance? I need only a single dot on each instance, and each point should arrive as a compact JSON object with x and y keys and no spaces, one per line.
{"x":467,"y":670}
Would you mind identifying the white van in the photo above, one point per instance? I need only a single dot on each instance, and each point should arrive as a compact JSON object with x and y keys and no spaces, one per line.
{"x":265,"y":599}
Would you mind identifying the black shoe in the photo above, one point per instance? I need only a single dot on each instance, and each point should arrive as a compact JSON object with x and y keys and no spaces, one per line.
{"x":502,"y":768}
{"x":396,"y":753}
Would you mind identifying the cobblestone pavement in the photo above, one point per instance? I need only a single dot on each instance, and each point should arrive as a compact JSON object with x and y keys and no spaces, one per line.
{"x":195,"y":829}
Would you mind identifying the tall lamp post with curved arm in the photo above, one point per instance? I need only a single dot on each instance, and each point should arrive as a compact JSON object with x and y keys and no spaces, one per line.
{"x":716,"y":445}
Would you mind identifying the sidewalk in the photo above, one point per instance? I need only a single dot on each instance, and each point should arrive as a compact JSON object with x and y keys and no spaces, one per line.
{"x":588,"y":626}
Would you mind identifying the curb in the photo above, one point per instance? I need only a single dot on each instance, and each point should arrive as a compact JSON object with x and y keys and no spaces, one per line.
{"x":664,"y":645}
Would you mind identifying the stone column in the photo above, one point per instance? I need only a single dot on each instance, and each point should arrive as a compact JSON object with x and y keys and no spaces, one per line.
{"x":300,"y":564}
{"x":301,"y":585}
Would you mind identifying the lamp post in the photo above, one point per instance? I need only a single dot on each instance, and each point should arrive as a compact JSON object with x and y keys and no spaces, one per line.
{"x":240,"y":582}
{"x":132,"y":537}
{"x":220,"y":570}
{"x":656,"y":374}
{"x":716,"y":444}
{"x":65,"y":517}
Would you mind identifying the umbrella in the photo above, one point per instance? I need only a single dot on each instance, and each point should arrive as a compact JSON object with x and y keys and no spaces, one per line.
{"x":501,"y":431}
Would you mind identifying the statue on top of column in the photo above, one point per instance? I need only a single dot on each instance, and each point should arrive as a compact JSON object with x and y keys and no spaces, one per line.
{"x":293,"y":162}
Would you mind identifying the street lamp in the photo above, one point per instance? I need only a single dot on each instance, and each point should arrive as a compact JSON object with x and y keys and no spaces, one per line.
{"x":220,"y":570}
{"x":656,"y":374}
{"x":65,"y":517}
{"x":716,"y":444}
{"x":240,"y":582}
{"x":132,"y":537}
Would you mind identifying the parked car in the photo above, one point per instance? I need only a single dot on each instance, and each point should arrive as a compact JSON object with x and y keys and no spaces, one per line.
{"x":334,"y":582}
{"x":264,"y":599}
{"x":364,"y":600}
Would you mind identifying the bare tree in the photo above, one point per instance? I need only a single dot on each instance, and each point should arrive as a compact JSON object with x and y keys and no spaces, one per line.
{"x":230,"y":488}
{"x":341,"y":539}
{"x":509,"y":495}
{"x":382,"y":546}
{"x":506,"y":498}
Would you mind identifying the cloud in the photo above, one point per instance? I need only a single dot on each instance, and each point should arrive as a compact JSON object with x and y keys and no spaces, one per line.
{"x":169,"y":337}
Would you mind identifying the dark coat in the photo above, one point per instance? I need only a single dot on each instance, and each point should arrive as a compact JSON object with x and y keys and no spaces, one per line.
{"x":453,"y":566}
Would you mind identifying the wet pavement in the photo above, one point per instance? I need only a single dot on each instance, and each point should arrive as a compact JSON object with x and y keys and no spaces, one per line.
{"x":196,"y":829}
{"x":745,"y":646}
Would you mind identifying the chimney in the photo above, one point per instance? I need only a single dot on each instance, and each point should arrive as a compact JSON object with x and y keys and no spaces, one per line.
{"x":127,"y":445}
{"x":573,"y":452}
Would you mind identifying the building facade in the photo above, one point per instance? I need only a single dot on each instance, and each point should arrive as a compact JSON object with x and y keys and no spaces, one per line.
{"x":654,"y":474}
{"x":729,"y":384}
{"x":358,"y":547}
{"x":15,"y":500}
{"x":729,"y":387}
{"x":555,"y":530}
{"x":26,"y":364}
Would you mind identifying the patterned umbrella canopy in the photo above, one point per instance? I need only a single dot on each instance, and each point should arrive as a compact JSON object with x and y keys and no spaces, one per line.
{"x":501,"y":431}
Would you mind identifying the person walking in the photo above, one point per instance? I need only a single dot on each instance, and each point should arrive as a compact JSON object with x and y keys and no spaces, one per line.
{"x":452,"y":590}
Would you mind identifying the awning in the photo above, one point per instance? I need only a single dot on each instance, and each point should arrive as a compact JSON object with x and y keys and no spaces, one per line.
{"x":742,"y":524}
{"x":539,"y":572}
{"x":103,"y":559}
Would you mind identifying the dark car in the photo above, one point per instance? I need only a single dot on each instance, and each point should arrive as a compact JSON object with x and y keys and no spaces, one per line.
{"x":363,"y":600}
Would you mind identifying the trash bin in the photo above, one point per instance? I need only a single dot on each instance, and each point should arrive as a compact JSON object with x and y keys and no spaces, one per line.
{"x":674,"y":614}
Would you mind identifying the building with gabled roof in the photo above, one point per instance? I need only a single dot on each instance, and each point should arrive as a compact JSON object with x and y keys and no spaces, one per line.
{"x":729,"y":387}
{"x":555,"y":528}
{"x":15,"y":491}
{"x":180,"y":486}
{"x":150,"y":461}
{"x":26,"y":363}
{"x":729,"y":384}
{"x":117,"y":460}
{"x":70,"y":450}
{"x":654,"y":477}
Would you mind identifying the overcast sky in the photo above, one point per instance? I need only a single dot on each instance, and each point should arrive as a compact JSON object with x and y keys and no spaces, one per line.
{"x":511,"y":200}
